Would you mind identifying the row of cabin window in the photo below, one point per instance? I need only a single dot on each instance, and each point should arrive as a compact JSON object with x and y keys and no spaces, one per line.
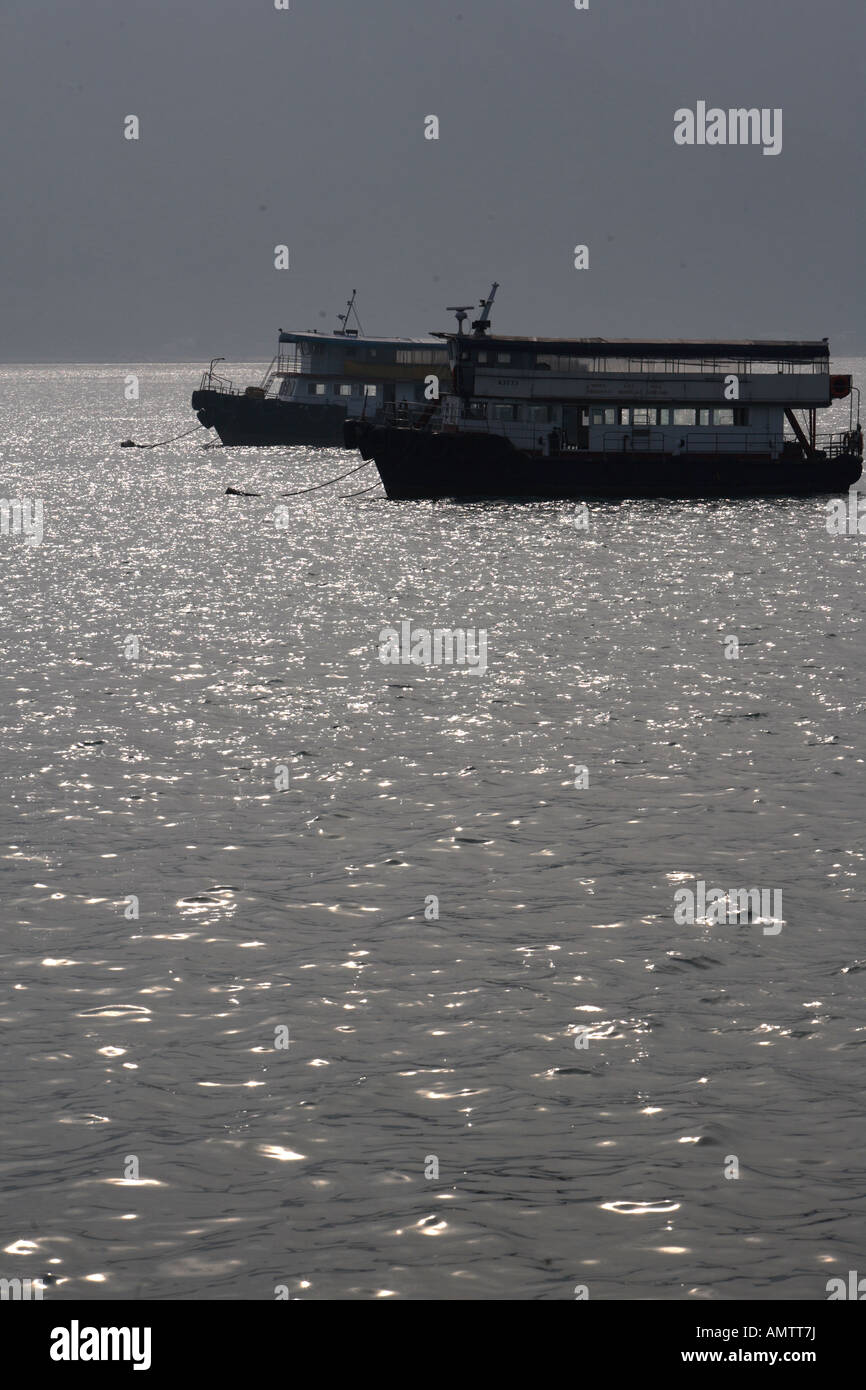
{"x":669,"y":415}
{"x":639,"y":415}
{"x":318,"y":388}
{"x":424,"y":357}
{"x":546,"y":361}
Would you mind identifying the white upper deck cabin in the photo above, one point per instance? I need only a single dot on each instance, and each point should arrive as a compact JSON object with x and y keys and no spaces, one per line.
{"x":660,"y":396}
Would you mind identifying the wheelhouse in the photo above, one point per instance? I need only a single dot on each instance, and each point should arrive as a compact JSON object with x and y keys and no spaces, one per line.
{"x":361,"y":374}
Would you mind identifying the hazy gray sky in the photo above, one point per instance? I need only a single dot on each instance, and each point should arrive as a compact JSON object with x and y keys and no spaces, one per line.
{"x":261,"y":127}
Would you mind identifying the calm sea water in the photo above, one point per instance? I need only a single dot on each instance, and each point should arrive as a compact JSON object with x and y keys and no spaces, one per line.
{"x":158,"y":1141}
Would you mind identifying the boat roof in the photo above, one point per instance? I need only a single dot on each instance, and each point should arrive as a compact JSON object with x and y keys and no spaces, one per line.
{"x":334,"y":337}
{"x":775,"y":349}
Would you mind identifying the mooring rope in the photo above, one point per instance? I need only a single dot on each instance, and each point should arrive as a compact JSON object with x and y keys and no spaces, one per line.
{"x":298,"y":491}
{"x":361,"y":491}
{"x":131,"y":444}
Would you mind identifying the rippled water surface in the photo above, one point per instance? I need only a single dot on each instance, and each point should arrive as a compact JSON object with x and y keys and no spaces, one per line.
{"x":263,"y":908}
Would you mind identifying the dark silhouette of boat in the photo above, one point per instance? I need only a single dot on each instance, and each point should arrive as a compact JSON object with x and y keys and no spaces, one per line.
{"x":572,"y":418}
{"x":315,"y":380}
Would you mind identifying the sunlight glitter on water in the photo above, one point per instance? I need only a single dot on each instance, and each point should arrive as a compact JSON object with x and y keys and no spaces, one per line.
{"x":431,"y":846}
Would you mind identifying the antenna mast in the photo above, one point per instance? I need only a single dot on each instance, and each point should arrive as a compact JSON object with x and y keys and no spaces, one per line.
{"x":481,"y":325}
{"x":344,"y":318}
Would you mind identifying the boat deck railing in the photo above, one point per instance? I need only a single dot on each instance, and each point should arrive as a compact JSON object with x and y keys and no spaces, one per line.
{"x":212,"y":381}
{"x":842,"y":442}
{"x":292,"y":364}
{"x":540,"y":437}
{"x":731,"y":441}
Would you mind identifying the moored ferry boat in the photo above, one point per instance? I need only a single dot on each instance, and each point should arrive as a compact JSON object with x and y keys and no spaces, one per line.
{"x":563,"y":418}
{"x":315,"y":380}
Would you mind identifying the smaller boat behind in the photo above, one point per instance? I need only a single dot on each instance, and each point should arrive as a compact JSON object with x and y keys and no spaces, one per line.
{"x":315,"y":380}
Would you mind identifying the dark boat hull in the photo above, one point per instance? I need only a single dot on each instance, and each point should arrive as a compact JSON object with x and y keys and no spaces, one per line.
{"x":259,"y":421}
{"x":417,"y":464}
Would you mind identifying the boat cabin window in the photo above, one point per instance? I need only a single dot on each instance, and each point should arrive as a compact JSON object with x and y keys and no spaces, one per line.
{"x":724,"y":416}
{"x":506,"y":412}
{"x":683,"y":416}
{"x":475,"y":410}
{"x":369,"y":390}
{"x":316,"y":388}
{"x":345,"y":390}
{"x":503,"y":357}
